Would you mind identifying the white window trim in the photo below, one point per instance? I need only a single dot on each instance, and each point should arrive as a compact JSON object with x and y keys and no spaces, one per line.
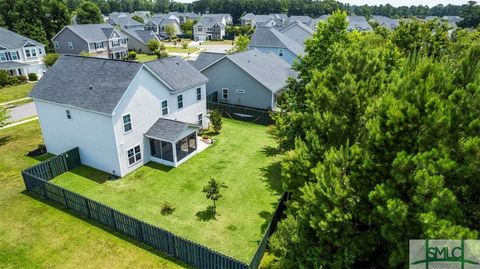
{"x":70,"y":45}
{"x":68,"y":112}
{"x":136,"y":161}
{"x":228,"y":93}
{"x":183,"y":102}
{"x":282,"y":52}
{"x":200,"y":114}
{"x":196,"y":95}
{"x":161,"y":108}
{"x":123,"y":123}
{"x":240,"y":91}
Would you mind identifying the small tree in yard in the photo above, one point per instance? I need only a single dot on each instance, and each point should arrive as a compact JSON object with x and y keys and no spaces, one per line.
{"x":184,"y":45}
{"x":216,"y":120}
{"x":50,"y":59}
{"x":153,"y":44}
{"x":212,"y":191}
{"x":170,"y":30}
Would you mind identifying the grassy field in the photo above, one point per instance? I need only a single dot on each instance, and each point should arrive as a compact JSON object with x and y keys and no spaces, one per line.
{"x":145,"y":58}
{"x":243,"y":157}
{"x":219,"y":42}
{"x":179,"y":49}
{"x":15,"y":92}
{"x":36,"y":235}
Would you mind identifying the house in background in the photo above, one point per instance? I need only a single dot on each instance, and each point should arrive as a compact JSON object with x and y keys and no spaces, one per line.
{"x":263,"y":20}
{"x":269,"y":39}
{"x":122,"y":114}
{"x":209,"y":28}
{"x":303,"y":19}
{"x":158,"y":24}
{"x":20,"y":55}
{"x":250,"y":78}
{"x":297,"y":31}
{"x":126,"y":22}
{"x":358,"y":23}
{"x":386,"y":21}
{"x":100,"y":40}
{"x":185,"y":16}
{"x":138,"y":39}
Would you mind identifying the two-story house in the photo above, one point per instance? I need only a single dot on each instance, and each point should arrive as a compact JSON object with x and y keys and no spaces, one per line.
{"x":269,"y":39}
{"x":100,"y":40}
{"x":158,"y":24}
{"x":211,"y":27}
{"x":122,"y":114}
{"x":20,"y":55}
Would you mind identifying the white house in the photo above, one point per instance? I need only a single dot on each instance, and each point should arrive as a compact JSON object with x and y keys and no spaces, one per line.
{"x":20,"y":55}
{"x":122,"y":114}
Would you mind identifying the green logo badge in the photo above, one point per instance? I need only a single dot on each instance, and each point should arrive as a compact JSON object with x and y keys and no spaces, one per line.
{"x":444,"y":254}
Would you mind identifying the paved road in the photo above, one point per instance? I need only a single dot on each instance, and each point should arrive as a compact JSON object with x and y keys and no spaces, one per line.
{"x":21,"y":112}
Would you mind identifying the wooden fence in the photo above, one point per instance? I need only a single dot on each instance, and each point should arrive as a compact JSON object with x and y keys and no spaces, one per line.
{"x":242,"y":113}
{"x":36,"y":181}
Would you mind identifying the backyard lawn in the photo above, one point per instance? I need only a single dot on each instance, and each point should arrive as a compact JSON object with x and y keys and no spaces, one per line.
{"x":36,"y":235}
{"x":15,"y":92}
{"x":145,"y":57}
{"x":243,"y":157}
{"x":217,"y":42}
{"x":179,"y":49}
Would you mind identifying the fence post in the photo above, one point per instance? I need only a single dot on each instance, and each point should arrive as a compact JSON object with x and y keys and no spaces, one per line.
{"x":65,"y":198}
{"x":113,"y":219}
{"x":88,"y":208}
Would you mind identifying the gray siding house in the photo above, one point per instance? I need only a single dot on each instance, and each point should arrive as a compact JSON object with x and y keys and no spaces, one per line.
{"x":100,"y":40}
{"x":158,"y":24}
{"x":20,"y":55}
{"x":269,"y":39}
{"x":297,"y":31}
{"x":211,"y":27}
{"x":249,"y":78}
{"x":138,"y":39}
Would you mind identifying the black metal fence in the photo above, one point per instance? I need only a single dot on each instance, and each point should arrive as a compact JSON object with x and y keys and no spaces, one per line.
{"x":36,"y":181}
{"x":242,"y":113}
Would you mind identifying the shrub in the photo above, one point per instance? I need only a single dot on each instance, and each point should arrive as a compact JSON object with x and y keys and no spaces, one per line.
{"x":50,"y":59}
{"x":153,"y":44}
{"x":216,"y":120}
{"x":167,"y":208}
{"x":161,"y":53}
{"x":20,"y":79}
{"x":132,"y":55}
{"x":184,"y":44}
{"x":32,"y":77}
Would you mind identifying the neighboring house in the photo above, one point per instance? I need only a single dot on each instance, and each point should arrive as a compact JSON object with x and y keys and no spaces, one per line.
{"x":250,"y":78}
{"x":248,"y":19}
{"x":122,"y":114}
{"x":386,"y":21}
{"x":126,"y":22}
{"x":138,"y":39}
{"x":184,"y":16}
{"x":20,"y":55}
{"x":358,"y":23}
{"x":158,"y":23}
{"x":100,"y":40}
{"x":113,"y":17}
{"x":303,"y":19}
{"x":263,"y":20}
{"x":225,"y":18}
{"x":209,"y":28}
{"x":269,"y":39}
{"x":297,"y":31}
{"x":314,"y":23}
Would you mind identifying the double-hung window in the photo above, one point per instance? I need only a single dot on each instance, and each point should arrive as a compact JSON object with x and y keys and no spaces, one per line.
{"x":164,"y":107}
{"x":34,"y":52}
{"x":98,"y":45}
{"x":200,"y":119}
{"x":134,"y":155}
{"x":200,"y":28}
{"x":199,"y":94}
{"x":27,"y":52}
{"x":69,"y":114}
{"x":56,"y":45}
{"x":180,"y":101}
{"x":225,"y":94}
{"x":70,"y":45}
{"x":127,"y":123}
{"x":280,"y":52}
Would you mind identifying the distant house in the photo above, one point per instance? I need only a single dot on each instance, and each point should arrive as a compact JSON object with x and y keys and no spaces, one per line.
{"x":158,"y":24}
{"x":100,"y":40}
{"x":184,"y":16}
{"x":211,"y":27}
{"x":126,"y":22}
{"x":307,"y":20}
{"x":113,"y":17}
{"x":248,"y":78}
{"x":20,"y":55}
{"x":122,"y":114}
{"x":386,"y":21}
{"x":138,"y":39}
{"x":297,"y":31}
{"x":269,"y":39}
{"x":358,"y":23}
{"x":263,"y":20}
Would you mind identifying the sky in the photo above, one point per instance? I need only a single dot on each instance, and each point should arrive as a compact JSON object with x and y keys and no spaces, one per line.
{"x":395,"y":3}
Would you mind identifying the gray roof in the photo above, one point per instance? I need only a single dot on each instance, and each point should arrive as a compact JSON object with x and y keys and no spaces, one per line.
{"x":299,"y":24}
{"x":93,"y":32}
{"x":12,"y":40}
{"x":248,"y":16}
{"x":177,"y":73}
{"x":141,"y":35}
{"x":358,"y":23}
{"x":170,"y":130}
{"x":209,"y":21}
{"x":386,"y":21}
{"x":127,"y":21}
{"x":267,"y":68}
{"x":304,"y":19}
{"x":281,"y":16}
{"x":205,"y":59}
{"x":270,"y":37}
{"x":11,"y":65}
{"x":68,"y":82}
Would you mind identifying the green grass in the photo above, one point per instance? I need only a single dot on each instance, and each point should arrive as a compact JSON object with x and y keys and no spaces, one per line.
{"x":37,"y":235}
{"x":181,"y":50}
{"x":243,"y":157}
{"x":21,"y":102}
{"x":219,"y":42}
{"x":15,"y":92}
{"x":145,"y":57}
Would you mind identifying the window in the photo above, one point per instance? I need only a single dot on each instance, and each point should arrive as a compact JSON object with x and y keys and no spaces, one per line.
{"x":56,"y":44}
{"x":69,"y":114}
{"x":70,"y":45}
{"x":27,"y":52}
{"x":9,"y":56}
{"x":199,"y":94}
{"x":134,"y":155}
{"x":98,"y":45}
{"x":200,"y":28}
{"x":240,"y":91}
{"x":39,"y":51}
{"x":180,"y":101}
{"x":34,"y":52}
{"x":200,"y":119}
{"x":225,"y":93}
{"x":280,"y":52}
{"x":127,"y":123}
{"x":164,"y":107}
{"x":3,"y":56}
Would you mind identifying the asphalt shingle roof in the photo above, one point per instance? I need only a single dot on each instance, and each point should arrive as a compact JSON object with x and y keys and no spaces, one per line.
{"x":92,"y":32}
{"x":270,"y":37}
{"x":68,"y":82}
{"x":141,"y":35}
{"x":127,"y":21}
{"x":170,"y":130}
{"x":205,"y":59}
{"x":12,"y":40}
{"x":209,"y":21}
{"x":268,"y":69}
{"x":177,"y":73}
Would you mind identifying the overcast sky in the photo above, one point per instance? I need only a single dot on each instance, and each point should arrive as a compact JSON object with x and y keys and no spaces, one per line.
{"x":430,"y":3}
